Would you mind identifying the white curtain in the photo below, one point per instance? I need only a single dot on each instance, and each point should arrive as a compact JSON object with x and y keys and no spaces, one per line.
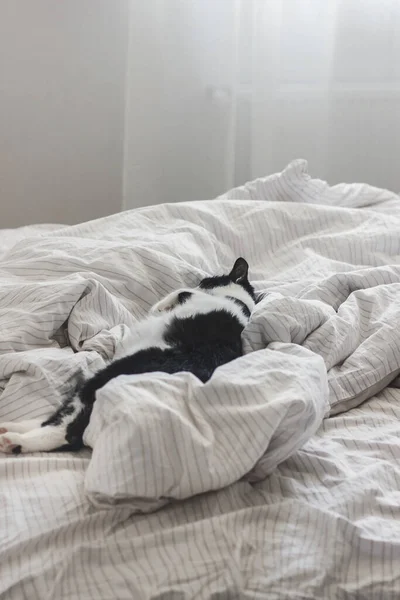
{"x":223,"y":91}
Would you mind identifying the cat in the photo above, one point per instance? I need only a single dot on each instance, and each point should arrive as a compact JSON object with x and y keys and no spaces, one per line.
{"x":194,"y":330}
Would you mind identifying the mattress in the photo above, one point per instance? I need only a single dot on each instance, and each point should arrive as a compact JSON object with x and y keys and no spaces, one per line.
{"x":324,"y":521}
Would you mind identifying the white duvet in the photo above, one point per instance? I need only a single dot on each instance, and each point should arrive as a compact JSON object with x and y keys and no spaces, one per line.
{"x":315,"y":508}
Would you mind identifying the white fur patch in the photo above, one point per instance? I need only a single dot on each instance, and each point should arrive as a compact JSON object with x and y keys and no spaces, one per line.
{"x":41,"y":439}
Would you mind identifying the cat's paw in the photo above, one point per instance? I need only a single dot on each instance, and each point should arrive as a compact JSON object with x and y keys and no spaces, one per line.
{"x":6,"y":427}
{"x":10,"y":443}
{"x":40,"y":439}
{"x":159,"y":308}
{"x":169,"y":302}
{"x":20,"y":426}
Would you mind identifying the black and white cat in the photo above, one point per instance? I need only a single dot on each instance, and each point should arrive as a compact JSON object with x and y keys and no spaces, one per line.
{"x":194,"y":330}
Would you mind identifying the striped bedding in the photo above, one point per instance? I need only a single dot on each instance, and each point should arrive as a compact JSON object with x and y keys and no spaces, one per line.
{"x":319,"y":521}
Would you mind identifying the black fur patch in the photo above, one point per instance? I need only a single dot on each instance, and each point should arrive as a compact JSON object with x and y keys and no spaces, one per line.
{"x":65,"y":409}
{"x":209,"y":283}
{"x":209,"y":328}
{"x":245,"y":309}
{"x":183,"y":296}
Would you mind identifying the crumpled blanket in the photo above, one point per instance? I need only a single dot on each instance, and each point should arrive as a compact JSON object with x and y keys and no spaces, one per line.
{"x":322,"y":341}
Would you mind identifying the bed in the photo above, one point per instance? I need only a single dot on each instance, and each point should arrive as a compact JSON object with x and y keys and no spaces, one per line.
{"x":283,"y":480}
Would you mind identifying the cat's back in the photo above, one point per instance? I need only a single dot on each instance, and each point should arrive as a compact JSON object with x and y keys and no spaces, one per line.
{"x":217,"y":326}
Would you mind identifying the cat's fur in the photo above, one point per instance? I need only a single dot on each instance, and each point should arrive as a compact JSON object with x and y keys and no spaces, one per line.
{"x":194,"y":330}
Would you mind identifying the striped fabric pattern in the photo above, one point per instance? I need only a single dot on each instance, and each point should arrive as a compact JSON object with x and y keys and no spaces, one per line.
{"x":184,"y":438}
{"x":325,"y":523}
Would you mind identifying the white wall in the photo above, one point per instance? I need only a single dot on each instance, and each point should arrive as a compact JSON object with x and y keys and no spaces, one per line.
{"x":223,"y":91}
{"x":62,"y":98}
{"x":327,"y":88}
{"x":180,"y":78}
{"x":111,"y":103}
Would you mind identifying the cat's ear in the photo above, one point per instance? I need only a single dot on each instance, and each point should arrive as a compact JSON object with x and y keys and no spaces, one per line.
{"x":239,"y":271}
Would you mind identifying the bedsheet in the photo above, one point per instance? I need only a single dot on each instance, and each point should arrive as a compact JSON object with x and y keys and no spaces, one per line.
{"x":9,"y":237}
{"x":325,"y":522}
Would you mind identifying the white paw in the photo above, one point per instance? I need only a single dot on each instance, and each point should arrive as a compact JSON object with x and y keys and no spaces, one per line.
{"x":10,"y":443}
{"x":5,"y":427}
{"x":167,"y":303}
{"x":159,"y":308}
{"x":20,"y":426}
{"x":40,"y":439}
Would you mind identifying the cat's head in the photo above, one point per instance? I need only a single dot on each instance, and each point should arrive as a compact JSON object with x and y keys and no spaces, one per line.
{"x":234,"y":287}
